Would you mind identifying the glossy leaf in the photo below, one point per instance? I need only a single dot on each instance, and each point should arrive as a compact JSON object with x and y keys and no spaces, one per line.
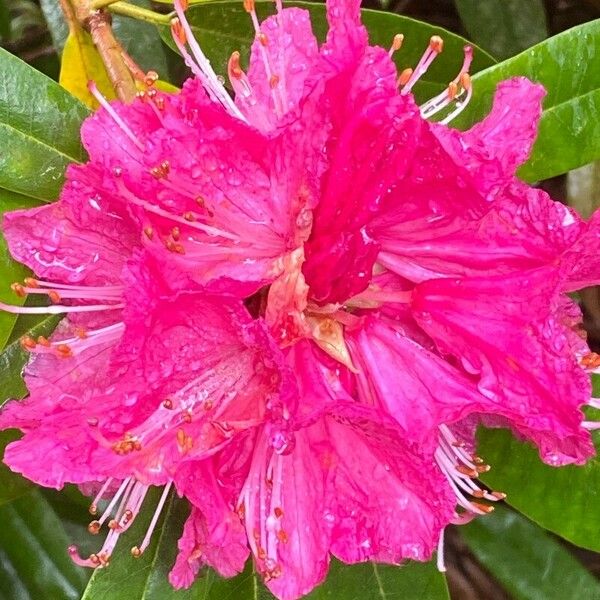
{"x":567,"y":66}
{"x":34,"y":562}
{"x":4,"y":21}
{"x":563,"y":500}
{"x":81,"y":63}
{"x":526,"y":560}
{"x":146,"y":577}
{"x":504,"y":27}
{"x":13,"y":357}
{"x":39,"y":128}
{"x":222,"y":27}
{"x":12,"y":485}
{"x":10,"y":270}
{"x":55,"y":20}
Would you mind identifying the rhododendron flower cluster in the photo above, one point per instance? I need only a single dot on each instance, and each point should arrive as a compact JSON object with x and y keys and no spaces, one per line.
{"x":294,"y":304}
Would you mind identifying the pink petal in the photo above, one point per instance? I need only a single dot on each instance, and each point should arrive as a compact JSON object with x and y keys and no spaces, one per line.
{"x":213,"y":534}
{"x":73,"y":240}
{"x":388,"y":500}
{"x":292,"y":51}
{"x":524,"y":355}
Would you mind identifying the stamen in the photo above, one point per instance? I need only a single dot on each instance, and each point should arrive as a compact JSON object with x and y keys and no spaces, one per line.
{"x":396,"y":44}
{"x":146,"y":541}
{"x":436,"y":46}
{"x":441,"y":563}
{"x":113,"y":113}
{"x":57,"y":309}
{"x":211,"y":81}
{"x":272,"y":78}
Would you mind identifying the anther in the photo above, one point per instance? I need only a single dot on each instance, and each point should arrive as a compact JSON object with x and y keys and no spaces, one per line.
{"x":177,"y":31}
{"x":168,"y":404}
{"x":263,"y":39}
{"x":27,"y":343}
{"x":466,"y":471}
{"x":249,"y":6}
{"x":151,"y":77}
{"x":282,"y":536}
{"x":483,"y":468}
{"x":452,"y":90}
{"x":18,"y":289}
{"x":113,"y":524}
{"x":465,"y":81}
{"x":64,"y":350}
{"x":161,"y":171}
{"x":486,"y":508}
{"x":235,"y":70}
{"x":136,"y":552}
{"x":278,"y":512}
{"x":93,"y":509}
{"x":54,"y":297}
{"x":31,"y":282}
{"x":186,"y":416}
{"x":176,"y":233}
{"x":94,"y":527}
{"x":149,"y":232}
{"x":42,"y":341}
{"x":189,"y":216}
{"x":274,"y":81}
{"x":436,"y":43}
{"x":499,"y":495}
{"x":94,"y":559}
{"x":397,"y":42}
{"x":405,"y":76}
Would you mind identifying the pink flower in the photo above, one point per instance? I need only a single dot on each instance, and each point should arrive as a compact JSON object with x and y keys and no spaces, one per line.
{"x":292,"y":305}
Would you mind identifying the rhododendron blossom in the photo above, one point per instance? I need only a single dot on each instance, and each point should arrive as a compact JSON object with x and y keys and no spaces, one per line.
{"x":293,"y":305}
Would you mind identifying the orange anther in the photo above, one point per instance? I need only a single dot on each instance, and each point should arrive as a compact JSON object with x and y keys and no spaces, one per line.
{"x":486,"y":508}
{"x":176,"y":233}
{"x":94,"y":527}
{"x":54,"y":297}
{"x":278,"y":511}
{"x":136,"y":552}
{"x":282,"y":536}
{"x":465,"y":81}
{"x":42,"y":341}
{"x":235,"y":70}
{"x":274,"y":81}
{"x":177,"y":31}
{"x":168,"y":404}
{"x":263,"y":39}
{"x":151,"y":78}
{"x":436,"y":43}
{"x":452,"y":90}
{"x":184,"y":4}
{"x":397,"y":42}
{"x":18,"y":289}
{"x":149,"y":232}
{"x":405,"y":76}
{"x":27,"y":343}
{"x":64,"y":350}
{"x":249,"y":6}
{"x":31,"y":282}
{"x":189,"y":216}
{"x":466,"y":471}
{"x":81,"y":333}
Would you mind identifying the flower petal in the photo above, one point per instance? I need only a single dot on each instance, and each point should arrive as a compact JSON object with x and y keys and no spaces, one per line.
{"x":524,"y":355}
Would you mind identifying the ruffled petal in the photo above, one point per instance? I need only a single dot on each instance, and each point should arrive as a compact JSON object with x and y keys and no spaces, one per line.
{"x":213,"y":534}
{"x":524,"y":355}
{"x":73,"y":240}
{"x":388,"y":500}
{"x":290,"y":53}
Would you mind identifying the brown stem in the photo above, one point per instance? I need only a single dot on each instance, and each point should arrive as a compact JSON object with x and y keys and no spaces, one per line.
{"x":78,"y":13}
{"x":110,"y":52}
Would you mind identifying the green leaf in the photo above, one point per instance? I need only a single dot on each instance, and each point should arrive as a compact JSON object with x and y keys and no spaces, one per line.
{"x":4,"y":21}
{"x":142,"y":41}
{"x":526,"y":560}
{"x":222,"y":27}
{"x":10,"y":270}
{"x":13,"y":357}
{"x":562,"y":500}
{"x":566,"y":65}
{"x":39,"y":128}
{"x":146,"y":577}
{"x":504,"y":27}
{"x":34,"y":562}
{"x":12,"y":485}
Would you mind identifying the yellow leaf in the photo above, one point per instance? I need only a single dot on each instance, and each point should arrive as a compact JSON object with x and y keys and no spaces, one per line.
{"x":82,"y":63}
